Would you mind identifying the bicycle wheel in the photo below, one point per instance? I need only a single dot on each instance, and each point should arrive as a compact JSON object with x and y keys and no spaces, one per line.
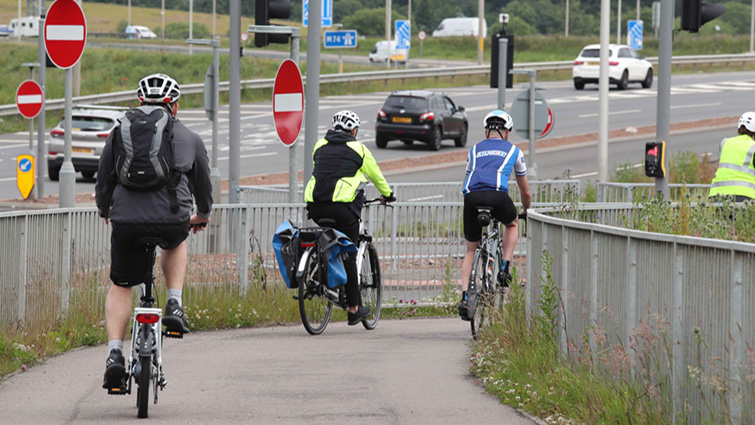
{"x":145,"y":363}
{"x":371,"y":286}
{"x":314,"y":308}
{"x":481,"y":282}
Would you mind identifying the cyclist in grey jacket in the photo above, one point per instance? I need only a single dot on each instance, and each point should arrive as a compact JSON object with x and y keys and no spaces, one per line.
{"x":135,"y":214}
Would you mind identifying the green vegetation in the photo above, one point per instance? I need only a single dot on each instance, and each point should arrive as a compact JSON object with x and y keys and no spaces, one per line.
{"x":519,"y":360}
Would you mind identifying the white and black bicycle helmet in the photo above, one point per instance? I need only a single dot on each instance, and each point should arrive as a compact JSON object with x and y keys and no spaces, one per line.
{"x":748,"y":120}
{"x":158,"y":88}
{"x":498,"y":120}
{"x":346,"y":120}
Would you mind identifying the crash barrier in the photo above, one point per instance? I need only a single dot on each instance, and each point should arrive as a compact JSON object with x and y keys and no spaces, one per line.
{"x":63,"y":256}
{"x":682,"y":308}
{"x":544,"y":192}
{"x":628,"y":192}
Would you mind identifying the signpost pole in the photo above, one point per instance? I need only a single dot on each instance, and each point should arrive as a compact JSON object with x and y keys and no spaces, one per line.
{"x":532,"y":168}
{"x":663,"y":108}
{"x":503,"y":44}
{"x":234,"y":103}
{"x":215,"y":171}
{"x":67,"y":172}
{"x":33,"y":194}
{"x":41,"y":164}
{"x":293,"y":165}
{"x":312,"y":94}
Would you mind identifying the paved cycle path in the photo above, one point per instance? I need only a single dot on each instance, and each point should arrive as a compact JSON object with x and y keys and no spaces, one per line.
{"x":404,"y":372}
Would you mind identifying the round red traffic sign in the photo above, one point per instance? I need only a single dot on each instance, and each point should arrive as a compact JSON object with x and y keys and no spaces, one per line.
{"x":244,"y":37}
{"x":422,"y":35}
{"x":288,"y":102}
{"x":549,"y":125}
{"x":29,"y":99}
{"x":65,"y":33}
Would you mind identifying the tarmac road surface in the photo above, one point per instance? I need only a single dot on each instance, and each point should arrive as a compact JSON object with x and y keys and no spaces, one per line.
{"x":404,"y":372}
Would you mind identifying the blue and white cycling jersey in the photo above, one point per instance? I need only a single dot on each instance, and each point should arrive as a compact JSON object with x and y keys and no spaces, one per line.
{"x":490,"y":164}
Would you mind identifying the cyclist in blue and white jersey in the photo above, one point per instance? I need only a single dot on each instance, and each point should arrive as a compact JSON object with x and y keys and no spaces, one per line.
{"x":489,"y":165}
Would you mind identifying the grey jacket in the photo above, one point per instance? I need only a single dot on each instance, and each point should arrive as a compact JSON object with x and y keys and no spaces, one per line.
{"x":129,"y":206}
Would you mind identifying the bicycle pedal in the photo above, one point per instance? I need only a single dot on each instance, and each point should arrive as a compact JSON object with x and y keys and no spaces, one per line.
{"x":162,"y":383}
{"x":173,"y":334}
{"x":296,"y":297}
{"x":122,"y":390}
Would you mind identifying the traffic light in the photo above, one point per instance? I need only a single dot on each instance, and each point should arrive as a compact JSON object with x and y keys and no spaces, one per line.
{"x":494,"y":61}
{"x":654,"y":153}
{"x":695,"y":14}
{"x":270,"y":9}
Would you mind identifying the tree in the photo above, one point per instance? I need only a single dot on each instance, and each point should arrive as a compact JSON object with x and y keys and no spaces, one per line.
{"x":369,"y":22}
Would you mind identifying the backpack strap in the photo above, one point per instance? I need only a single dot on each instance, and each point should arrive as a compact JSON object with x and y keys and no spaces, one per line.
{"x":175,"y":178}
{"x":109,"y":187}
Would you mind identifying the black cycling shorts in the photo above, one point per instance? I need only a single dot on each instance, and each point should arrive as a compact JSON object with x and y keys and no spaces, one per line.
{"x":503,"y":210}
{"x":129,"y":262}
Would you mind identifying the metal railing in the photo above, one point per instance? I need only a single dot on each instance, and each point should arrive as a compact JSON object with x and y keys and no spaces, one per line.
{"x":267,"y":83}
{"x":688,"y":301}
{"x":64,"y":255}
{"x":628,"y":192}
{"x":544,"y":192}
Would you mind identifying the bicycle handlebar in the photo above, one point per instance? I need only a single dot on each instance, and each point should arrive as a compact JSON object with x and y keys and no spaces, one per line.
{"x":378,"y":200}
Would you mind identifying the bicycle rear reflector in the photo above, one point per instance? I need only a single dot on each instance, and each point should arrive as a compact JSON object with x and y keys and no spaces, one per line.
{"x":147,"y":318}
{"x":654,"y":154}
{"x":307,"y":244}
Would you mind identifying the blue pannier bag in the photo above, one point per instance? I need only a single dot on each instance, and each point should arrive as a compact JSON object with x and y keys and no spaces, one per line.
{"x":333,"y":245}
{"x":286,"y":247}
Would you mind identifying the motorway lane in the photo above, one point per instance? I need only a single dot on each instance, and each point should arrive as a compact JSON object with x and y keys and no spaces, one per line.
{"x":581,"y":159}
{"x":404,"y":372}
{"x":694,"y":97}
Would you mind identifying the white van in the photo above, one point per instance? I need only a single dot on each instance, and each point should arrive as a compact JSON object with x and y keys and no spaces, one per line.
{"x":383,"y":51}
{"x":29,"y":26}
{"x":461,"y":27}
{"x":138,"y":31}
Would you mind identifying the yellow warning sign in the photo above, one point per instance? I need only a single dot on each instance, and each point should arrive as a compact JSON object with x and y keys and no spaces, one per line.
{"x":25,"y":174}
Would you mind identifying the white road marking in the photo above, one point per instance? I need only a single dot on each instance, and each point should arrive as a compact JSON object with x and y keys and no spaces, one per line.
{"x":699,"y":105}
{"x":14,"y":146}
{"x":250,"y":156}
{"x":595,"y":173}
{"x":630,"y":111}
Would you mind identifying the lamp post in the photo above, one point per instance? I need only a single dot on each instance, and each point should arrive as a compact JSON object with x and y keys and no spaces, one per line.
{"x":340,"y":50}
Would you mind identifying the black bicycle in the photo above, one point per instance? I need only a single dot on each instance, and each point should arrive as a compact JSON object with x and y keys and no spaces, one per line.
{"x":315,"y":298}
{"x":490,"y":291}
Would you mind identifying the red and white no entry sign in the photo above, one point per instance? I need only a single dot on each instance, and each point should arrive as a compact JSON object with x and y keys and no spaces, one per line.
{"x":288,"y":102}
{"x":549,"y":126}
{"x":29,"y":99}
{"x":65,"y":33}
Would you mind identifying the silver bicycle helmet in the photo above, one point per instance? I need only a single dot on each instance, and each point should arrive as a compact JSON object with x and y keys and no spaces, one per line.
{"x":345,"y":120}
{"x":497,"y":120}
{"x":158,"y":88}
{"x":748,"y":120}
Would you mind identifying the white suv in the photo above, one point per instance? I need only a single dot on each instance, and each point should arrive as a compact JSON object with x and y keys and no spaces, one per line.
{"x":625,"y":66}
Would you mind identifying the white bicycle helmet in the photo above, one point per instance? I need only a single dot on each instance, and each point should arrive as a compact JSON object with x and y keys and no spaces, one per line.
{"x":158,"y":88}
{"x":748,"y":120}
{"x":345,"y":120}
{"x":497,"y":120}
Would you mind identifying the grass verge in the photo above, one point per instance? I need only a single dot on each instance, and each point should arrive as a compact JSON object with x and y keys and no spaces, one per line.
{"x":520,"y":362}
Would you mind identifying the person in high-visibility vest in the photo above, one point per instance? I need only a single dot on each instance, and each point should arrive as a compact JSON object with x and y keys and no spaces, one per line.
{"x":735,"y":176}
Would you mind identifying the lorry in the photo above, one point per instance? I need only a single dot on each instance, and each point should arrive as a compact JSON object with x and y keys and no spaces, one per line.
{"x":460,"y":27}
{"x":28,"y":26}
{"x":383,"y":51}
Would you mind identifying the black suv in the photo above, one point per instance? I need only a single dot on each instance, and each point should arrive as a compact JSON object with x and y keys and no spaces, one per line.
{"x":425,"y":116}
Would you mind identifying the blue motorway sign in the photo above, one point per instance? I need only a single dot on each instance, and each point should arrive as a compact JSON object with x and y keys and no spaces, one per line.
{"x":403,"y":34}
{"x":338,"y":39}
{"x":634,"y":34}
{"x":327,"y":13}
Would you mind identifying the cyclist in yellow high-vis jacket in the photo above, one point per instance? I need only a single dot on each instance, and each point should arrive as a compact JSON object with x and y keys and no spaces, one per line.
{"x":735,"y":175}
{"x":335,"y":191}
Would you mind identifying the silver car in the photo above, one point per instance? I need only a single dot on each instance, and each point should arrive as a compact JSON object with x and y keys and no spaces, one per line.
{"x":91,"y":126}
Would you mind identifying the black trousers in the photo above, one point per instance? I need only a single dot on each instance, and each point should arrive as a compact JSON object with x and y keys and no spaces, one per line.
{"x":347,"y":222}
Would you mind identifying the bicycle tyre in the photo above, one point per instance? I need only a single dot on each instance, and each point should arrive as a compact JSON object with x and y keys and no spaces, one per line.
{"x":314,"y":309}
{"x":371,"y":286}
{"x":143,"y":380}
{"x":481,"y":286}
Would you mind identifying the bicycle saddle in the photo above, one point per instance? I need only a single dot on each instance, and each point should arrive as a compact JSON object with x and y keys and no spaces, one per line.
{"x":150,"y":242}
{"x":483,"y":215}
{"x":327,"y":222}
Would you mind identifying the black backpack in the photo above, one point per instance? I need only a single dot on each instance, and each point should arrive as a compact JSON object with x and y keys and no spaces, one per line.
{"x":143,"y":153}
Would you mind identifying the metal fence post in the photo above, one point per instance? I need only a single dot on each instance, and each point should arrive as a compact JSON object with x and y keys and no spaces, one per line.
{"x":65,"y":272}
{"x":593,"y":273}
{"x":678,"y":366}
{"x":737,"y":325}
{"x":394,"y":237}
{"x":23,"y":273}
{"x":530,"y":258}
{"x":630,"y":294}
{"x":564,"y":272}
{"x":245,"y":215}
